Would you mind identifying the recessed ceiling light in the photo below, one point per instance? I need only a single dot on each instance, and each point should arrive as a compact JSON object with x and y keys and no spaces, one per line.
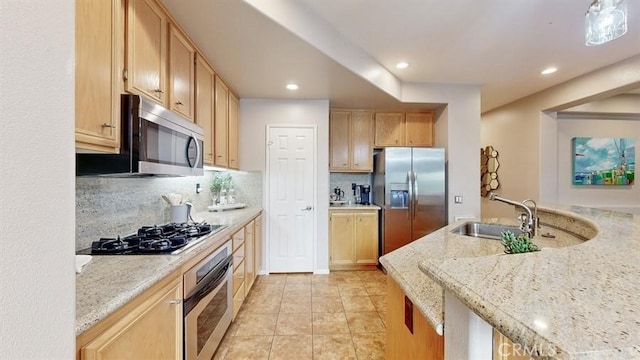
{"x":402,"y":65}
{"x":292,"y":86}
{"x":548,"y":71}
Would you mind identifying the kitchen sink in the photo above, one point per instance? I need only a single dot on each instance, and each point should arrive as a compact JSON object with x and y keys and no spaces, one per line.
{"x":484,"y":230}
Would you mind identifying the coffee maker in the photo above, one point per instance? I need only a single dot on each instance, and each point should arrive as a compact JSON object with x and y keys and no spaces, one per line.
{"x":362,"y":194}
{"x":365,"y":194}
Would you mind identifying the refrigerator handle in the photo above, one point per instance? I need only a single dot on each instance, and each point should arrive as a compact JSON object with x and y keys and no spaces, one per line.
{"x":410,"y":188}
{"x":415,"y":194}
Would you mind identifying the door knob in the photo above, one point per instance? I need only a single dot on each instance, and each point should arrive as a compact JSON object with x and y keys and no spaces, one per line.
{"x":308,"y":208}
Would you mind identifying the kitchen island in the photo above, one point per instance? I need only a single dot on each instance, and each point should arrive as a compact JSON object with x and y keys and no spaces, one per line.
{"x":108,"y":282}
{"x":571,"y":300}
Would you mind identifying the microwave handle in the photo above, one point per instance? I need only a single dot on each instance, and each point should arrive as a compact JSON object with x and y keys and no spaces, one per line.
{"x":198,"y":150}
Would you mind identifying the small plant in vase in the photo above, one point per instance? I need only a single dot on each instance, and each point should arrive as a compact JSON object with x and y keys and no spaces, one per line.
{"x":218,"y":187}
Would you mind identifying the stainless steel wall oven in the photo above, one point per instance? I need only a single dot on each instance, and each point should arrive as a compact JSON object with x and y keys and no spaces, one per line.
{"x":208,"y":303}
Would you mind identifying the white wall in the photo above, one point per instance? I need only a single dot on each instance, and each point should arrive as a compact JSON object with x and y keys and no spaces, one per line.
{"x":596,"y":196}
{"x":521,"y":131}
{"x":37,"y":306}
{"x":255,"y":115}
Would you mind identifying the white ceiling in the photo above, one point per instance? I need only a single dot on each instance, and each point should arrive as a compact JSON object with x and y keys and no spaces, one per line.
{"x":499,"y":45}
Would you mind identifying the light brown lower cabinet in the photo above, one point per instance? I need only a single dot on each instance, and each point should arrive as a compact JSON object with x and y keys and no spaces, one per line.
{"x":151,"y":329}
{"x":250,"y":256}
{"x":258,"y":245}
{"x":419,"y":342}
{"x":247,"y":245}
{"x":238,"y":270}
{"x":353,"y":239}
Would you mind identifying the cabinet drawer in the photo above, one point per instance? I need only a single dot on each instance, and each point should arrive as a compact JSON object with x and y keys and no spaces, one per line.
{"x":238,"y":239}
{"x":238,"y":257}
{"x":238,"y":299}
{"x":238,"y":278}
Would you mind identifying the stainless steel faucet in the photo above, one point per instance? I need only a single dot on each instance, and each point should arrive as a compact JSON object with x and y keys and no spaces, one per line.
{"x":535,"y":222}
{"x":528,"y":222}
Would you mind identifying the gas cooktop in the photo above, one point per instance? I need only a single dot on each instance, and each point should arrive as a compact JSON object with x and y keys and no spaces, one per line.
{"x":172,"y":238}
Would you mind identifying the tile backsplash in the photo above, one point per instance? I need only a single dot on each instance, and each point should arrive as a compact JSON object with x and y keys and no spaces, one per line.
{"x":107,"y":207}
{"x":344,"y":181}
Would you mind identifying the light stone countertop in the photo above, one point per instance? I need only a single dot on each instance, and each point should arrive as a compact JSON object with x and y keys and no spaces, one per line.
{"x":110,"y":281}
{"x":354,"y":207}
{"x":578,"y":301}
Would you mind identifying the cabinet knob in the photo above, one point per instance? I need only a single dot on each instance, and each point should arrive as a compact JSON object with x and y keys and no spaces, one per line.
{"x":108,"y":125}
{"x":158,"y":91}
{"x":179,"y":103}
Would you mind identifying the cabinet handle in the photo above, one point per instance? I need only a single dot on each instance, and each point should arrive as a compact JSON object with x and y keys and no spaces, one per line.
{"x":175,"y":302}
{"x":108,"y":125}
{"x":179,"y":103}
{"x":210,"y":154}
{"x":158,"y":91}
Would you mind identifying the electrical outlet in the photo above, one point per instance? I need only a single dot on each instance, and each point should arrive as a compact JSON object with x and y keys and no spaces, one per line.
{"x":457,"y":199}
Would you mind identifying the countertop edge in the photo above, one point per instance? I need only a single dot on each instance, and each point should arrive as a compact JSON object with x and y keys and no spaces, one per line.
{"x":354,"y":207}
{"x":436,"y":320}
{"x":603,"y":221}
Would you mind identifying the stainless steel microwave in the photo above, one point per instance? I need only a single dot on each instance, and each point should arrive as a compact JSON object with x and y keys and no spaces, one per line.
{"x":154,"y":141}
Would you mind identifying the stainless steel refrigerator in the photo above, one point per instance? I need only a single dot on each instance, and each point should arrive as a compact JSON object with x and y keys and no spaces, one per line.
{"x":409,"y":186}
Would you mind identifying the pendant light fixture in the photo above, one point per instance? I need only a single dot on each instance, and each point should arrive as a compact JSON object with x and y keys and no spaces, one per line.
{"x":605,"y":20}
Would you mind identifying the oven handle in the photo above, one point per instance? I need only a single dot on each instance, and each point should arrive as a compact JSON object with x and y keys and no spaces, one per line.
{"x":208,"y":284}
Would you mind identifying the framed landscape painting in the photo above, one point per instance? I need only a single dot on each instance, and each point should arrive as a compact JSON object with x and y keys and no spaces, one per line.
{"x":603,"y":161}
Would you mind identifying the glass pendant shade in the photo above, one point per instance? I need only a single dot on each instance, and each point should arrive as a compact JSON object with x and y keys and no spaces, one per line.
{"x":605,"y":20}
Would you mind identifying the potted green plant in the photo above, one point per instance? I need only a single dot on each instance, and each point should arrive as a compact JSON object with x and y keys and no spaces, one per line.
{"x":221,"y":181}
{"x":517,"y":245}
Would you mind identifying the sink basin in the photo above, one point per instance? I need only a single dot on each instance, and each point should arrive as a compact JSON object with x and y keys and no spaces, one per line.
{"x":483,"y":230}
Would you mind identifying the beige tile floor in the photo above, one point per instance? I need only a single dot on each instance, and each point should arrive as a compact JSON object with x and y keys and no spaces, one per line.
{"x":304,"y":316}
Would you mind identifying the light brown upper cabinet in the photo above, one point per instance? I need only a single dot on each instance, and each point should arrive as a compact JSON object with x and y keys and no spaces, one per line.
{"x":404,"y":129}
{"x":99,"y":54}
{"x":233,"y":131}
{"x":146,"y":50}
{"x":205,"y":86}
{"x":419,"y":129}
{"x":351,"y":141}
{"x":221,"y":129}
{"x":389,"y":129}
{"x":181,"y":73}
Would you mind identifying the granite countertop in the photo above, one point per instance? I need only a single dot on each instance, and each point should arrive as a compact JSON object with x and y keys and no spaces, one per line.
{"x":573,"y":302}
{"x":108,"y":282}
{"x":354,"y":207}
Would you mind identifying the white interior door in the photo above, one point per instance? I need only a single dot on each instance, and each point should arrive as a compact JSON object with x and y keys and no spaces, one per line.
{"x":291,"y":198}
